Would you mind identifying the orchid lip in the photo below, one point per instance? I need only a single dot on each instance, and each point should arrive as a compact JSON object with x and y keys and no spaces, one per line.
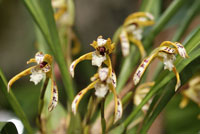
{"x":43,"y":64}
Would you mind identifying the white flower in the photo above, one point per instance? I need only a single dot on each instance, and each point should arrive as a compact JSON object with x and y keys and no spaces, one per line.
{"x":101,"y":42}
{"x":103,"y":73}
{"x":36,"y":75}
{"x":97,"y":59}
{"x":101,"y":89}
{"x":168,"y":60}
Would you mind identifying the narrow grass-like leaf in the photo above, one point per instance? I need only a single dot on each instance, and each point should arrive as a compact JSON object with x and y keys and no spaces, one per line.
{"x":147,"y":5}
{"x":163,"y":20}
{"x":186,"y":20}
{"x":14,"y":103}
{"x":42,"y":13}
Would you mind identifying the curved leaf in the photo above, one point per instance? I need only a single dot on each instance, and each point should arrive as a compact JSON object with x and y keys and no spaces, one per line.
{"x":14,"y":103}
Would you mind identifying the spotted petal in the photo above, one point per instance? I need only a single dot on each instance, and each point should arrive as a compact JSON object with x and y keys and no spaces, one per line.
{"x":80,"y":95}
{"x":118,"y":104}
{"x":142,"y":67}
{"x":124,"y":43}
{"x":54,"y":96}
{"x":39,"y":57}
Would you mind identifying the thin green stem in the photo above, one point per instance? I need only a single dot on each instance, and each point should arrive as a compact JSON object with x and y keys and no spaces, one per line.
{"x":103,"y":121}
{"x":41,"y":105}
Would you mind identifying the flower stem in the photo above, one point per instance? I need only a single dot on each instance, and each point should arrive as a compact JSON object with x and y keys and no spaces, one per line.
{"x":41,"y":105}
{"x":103,"y":121}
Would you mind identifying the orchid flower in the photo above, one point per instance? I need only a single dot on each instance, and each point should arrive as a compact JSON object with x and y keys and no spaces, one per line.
{"x":101,"y":82}
{"x":132,"y":31}
{"x":167,"y":53}
{"x":101,"y":55}
{"x":140,"y":92}
{"x":38,"y":72}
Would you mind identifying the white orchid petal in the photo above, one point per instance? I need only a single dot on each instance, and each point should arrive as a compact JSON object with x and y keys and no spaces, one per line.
{"x":181,"y":50}
{"x":101,"y":89}
{"x":101,"y":42}
{"x":124,"y":43}
{"x":37,"y":75}
{"x":103,"y":73}
{"x":39,"y":57}
{"x":97,"y":59}
{"x":118,"y":113}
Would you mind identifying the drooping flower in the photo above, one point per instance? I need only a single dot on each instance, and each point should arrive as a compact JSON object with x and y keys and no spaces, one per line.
{"x":132,"y":31}
{"x":167,"y":53}
{"x":105,"y":79}
{"x":102,"y":83}
{"x":192,"y":92}
{"x":38,"y":72}
{"x":140,"y":92}
{"x":101,"y":55}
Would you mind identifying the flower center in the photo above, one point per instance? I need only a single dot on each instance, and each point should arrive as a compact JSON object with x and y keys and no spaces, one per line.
{"x":135,"y":24}
{"x":102,"y":50}
{"x":43,"y":64}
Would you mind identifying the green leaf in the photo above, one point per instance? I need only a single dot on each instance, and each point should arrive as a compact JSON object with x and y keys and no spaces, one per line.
{"x":147,"y":5}
{"x":181,"y":121}
{"x":8,"y":128}
{"x":14,"y":103}
{"x":42,"y":13}
{"x":186,"y":20}
{"x":162,"y":21}
{"x":118,"y":130}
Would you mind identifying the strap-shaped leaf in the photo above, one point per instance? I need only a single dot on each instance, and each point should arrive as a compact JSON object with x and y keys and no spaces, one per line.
{"x":42,"y":13}
{"x":14,"y":103}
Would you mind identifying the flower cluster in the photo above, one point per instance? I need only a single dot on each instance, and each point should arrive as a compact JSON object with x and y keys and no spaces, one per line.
{"x":132,"y":31}
{"x":38,"y":72}
{"x":166,"y":52}
{"x":105,"y":79}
